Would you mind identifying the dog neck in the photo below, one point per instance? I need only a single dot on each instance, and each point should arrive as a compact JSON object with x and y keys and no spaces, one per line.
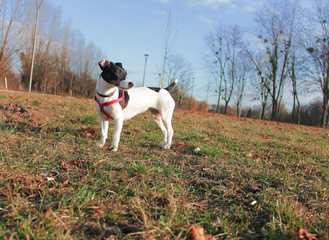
{"x":104,"y":89}
{"x":105,"y":96}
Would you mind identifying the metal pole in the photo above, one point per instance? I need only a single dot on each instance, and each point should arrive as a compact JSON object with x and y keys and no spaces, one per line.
{"x":146,"y":56}
{"x":34,"y":42}
{"x":6,"y":84}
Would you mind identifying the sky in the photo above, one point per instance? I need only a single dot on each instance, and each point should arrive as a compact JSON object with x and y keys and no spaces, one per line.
{"x":126,"y":30}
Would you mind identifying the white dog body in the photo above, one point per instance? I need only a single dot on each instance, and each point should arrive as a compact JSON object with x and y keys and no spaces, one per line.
{"x":141,"y":99}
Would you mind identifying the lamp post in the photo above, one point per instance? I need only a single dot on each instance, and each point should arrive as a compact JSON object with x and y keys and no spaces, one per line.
{"x":38,"y":4}
{"x":146,"y":56}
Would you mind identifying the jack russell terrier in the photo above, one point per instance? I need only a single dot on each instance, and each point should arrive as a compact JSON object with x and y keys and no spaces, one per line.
{"x":112,"y":103}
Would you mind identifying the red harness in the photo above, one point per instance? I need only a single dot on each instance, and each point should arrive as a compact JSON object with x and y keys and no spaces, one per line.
{"x":102,"y":105}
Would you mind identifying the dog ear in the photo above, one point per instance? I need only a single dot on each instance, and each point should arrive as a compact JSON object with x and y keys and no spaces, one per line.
{"x":104,"y":64}
{"x":118,"y":64}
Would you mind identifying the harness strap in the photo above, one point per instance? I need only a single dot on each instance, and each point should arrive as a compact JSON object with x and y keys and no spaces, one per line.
{"x":102,"y":105}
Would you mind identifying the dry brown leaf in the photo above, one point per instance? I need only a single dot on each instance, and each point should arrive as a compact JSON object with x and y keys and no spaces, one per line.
{"x":84,"y":179}
{"x":198,"y":233}
{"x":303,"y":234}
{"x":88,"y":132}
{"x":48,"y":213}
{"x":254,"y":156}
{"x":250,"y":155}
{"x":66,"y":165}
{"x":70,"y":164}
{"x":181,"y":143}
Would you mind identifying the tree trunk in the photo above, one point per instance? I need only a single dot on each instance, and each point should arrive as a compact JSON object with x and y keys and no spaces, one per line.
{"x":274,"y":116}
{"x":324,"y":118}
{"x":218,"y":100}
{"x":226,"y":106}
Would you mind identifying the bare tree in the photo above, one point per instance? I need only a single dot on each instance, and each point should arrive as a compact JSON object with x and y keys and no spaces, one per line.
{"x":241,"y":81}
{"x":317,"y":46}
{"x":224,"y":47}
{"x":259,"y":76}
{"x":275,"y":28}
{"x":9,"y":13}
{"x":179,"y":67}
{"x":294,"y":80}
{"x":64,"y":63}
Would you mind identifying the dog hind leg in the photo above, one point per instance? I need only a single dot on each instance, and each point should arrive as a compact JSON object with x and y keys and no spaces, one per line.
{"x":170,"y":131}
{"x":158,"y":120}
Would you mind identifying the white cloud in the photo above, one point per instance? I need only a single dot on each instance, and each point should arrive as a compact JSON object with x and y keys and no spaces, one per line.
{"x":242,"y":5}
{"x":205,"y":19}
{"x":251,"y":6}
{"x":162,"y":1}
{"x":161,"y":13}
{"x":214,"y":4}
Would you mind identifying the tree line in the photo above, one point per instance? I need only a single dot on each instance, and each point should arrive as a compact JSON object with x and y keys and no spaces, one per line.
{"x":284,"y":52}
{"x":63,"y":63}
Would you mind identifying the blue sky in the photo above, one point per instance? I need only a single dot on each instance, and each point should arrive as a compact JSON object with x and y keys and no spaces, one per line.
{"x":124,"y":30}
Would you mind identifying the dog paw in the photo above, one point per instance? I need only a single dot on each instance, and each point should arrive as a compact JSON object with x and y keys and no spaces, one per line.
{"x":113,"y":149}
{"x":100,"y":145}
{"x":165,"y":145}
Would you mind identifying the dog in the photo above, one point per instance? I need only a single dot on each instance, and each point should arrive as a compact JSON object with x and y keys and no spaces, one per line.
{"x":117,"y":100}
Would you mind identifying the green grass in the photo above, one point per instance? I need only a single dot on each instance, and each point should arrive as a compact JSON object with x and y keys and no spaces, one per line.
{"x":250,"y":180}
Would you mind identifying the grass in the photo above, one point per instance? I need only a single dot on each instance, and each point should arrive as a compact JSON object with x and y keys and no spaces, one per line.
{"x":250,"y":180}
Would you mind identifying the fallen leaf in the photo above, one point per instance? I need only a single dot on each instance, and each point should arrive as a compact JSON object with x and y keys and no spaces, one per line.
{"x":249,"y":155}
{"x":303,"y":152}
{"x":88,"y":132}
{"x":48,"y":214}
{"x":303,"y":234}
{"x":71,"y":164}
{"x":84,"y":179}
{"x":254,"y":156}
{"x":198,"y":233}
{"x":181,"y":143}
{"x":264,"y":136}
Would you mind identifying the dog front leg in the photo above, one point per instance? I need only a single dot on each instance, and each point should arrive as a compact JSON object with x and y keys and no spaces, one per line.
{"x":118,"y":123}
{"x":104,"y":130}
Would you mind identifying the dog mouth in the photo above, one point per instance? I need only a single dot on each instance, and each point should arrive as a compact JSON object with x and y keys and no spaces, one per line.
{"x":126,"y":84}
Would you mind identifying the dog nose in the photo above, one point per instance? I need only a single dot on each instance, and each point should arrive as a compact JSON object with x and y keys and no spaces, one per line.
{"x":130,"y":84}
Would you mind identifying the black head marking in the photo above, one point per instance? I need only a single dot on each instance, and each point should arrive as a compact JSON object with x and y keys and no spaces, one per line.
{"x":112,"y":72}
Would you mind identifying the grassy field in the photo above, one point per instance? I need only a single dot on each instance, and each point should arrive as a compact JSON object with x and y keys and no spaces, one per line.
{"x":251,"y":180}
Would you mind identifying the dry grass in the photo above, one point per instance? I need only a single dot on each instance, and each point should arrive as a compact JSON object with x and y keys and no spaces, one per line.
{"x":251,"y":180}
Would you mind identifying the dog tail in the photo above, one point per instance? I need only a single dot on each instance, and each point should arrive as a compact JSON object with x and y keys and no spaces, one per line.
{"x":172,"y":86}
